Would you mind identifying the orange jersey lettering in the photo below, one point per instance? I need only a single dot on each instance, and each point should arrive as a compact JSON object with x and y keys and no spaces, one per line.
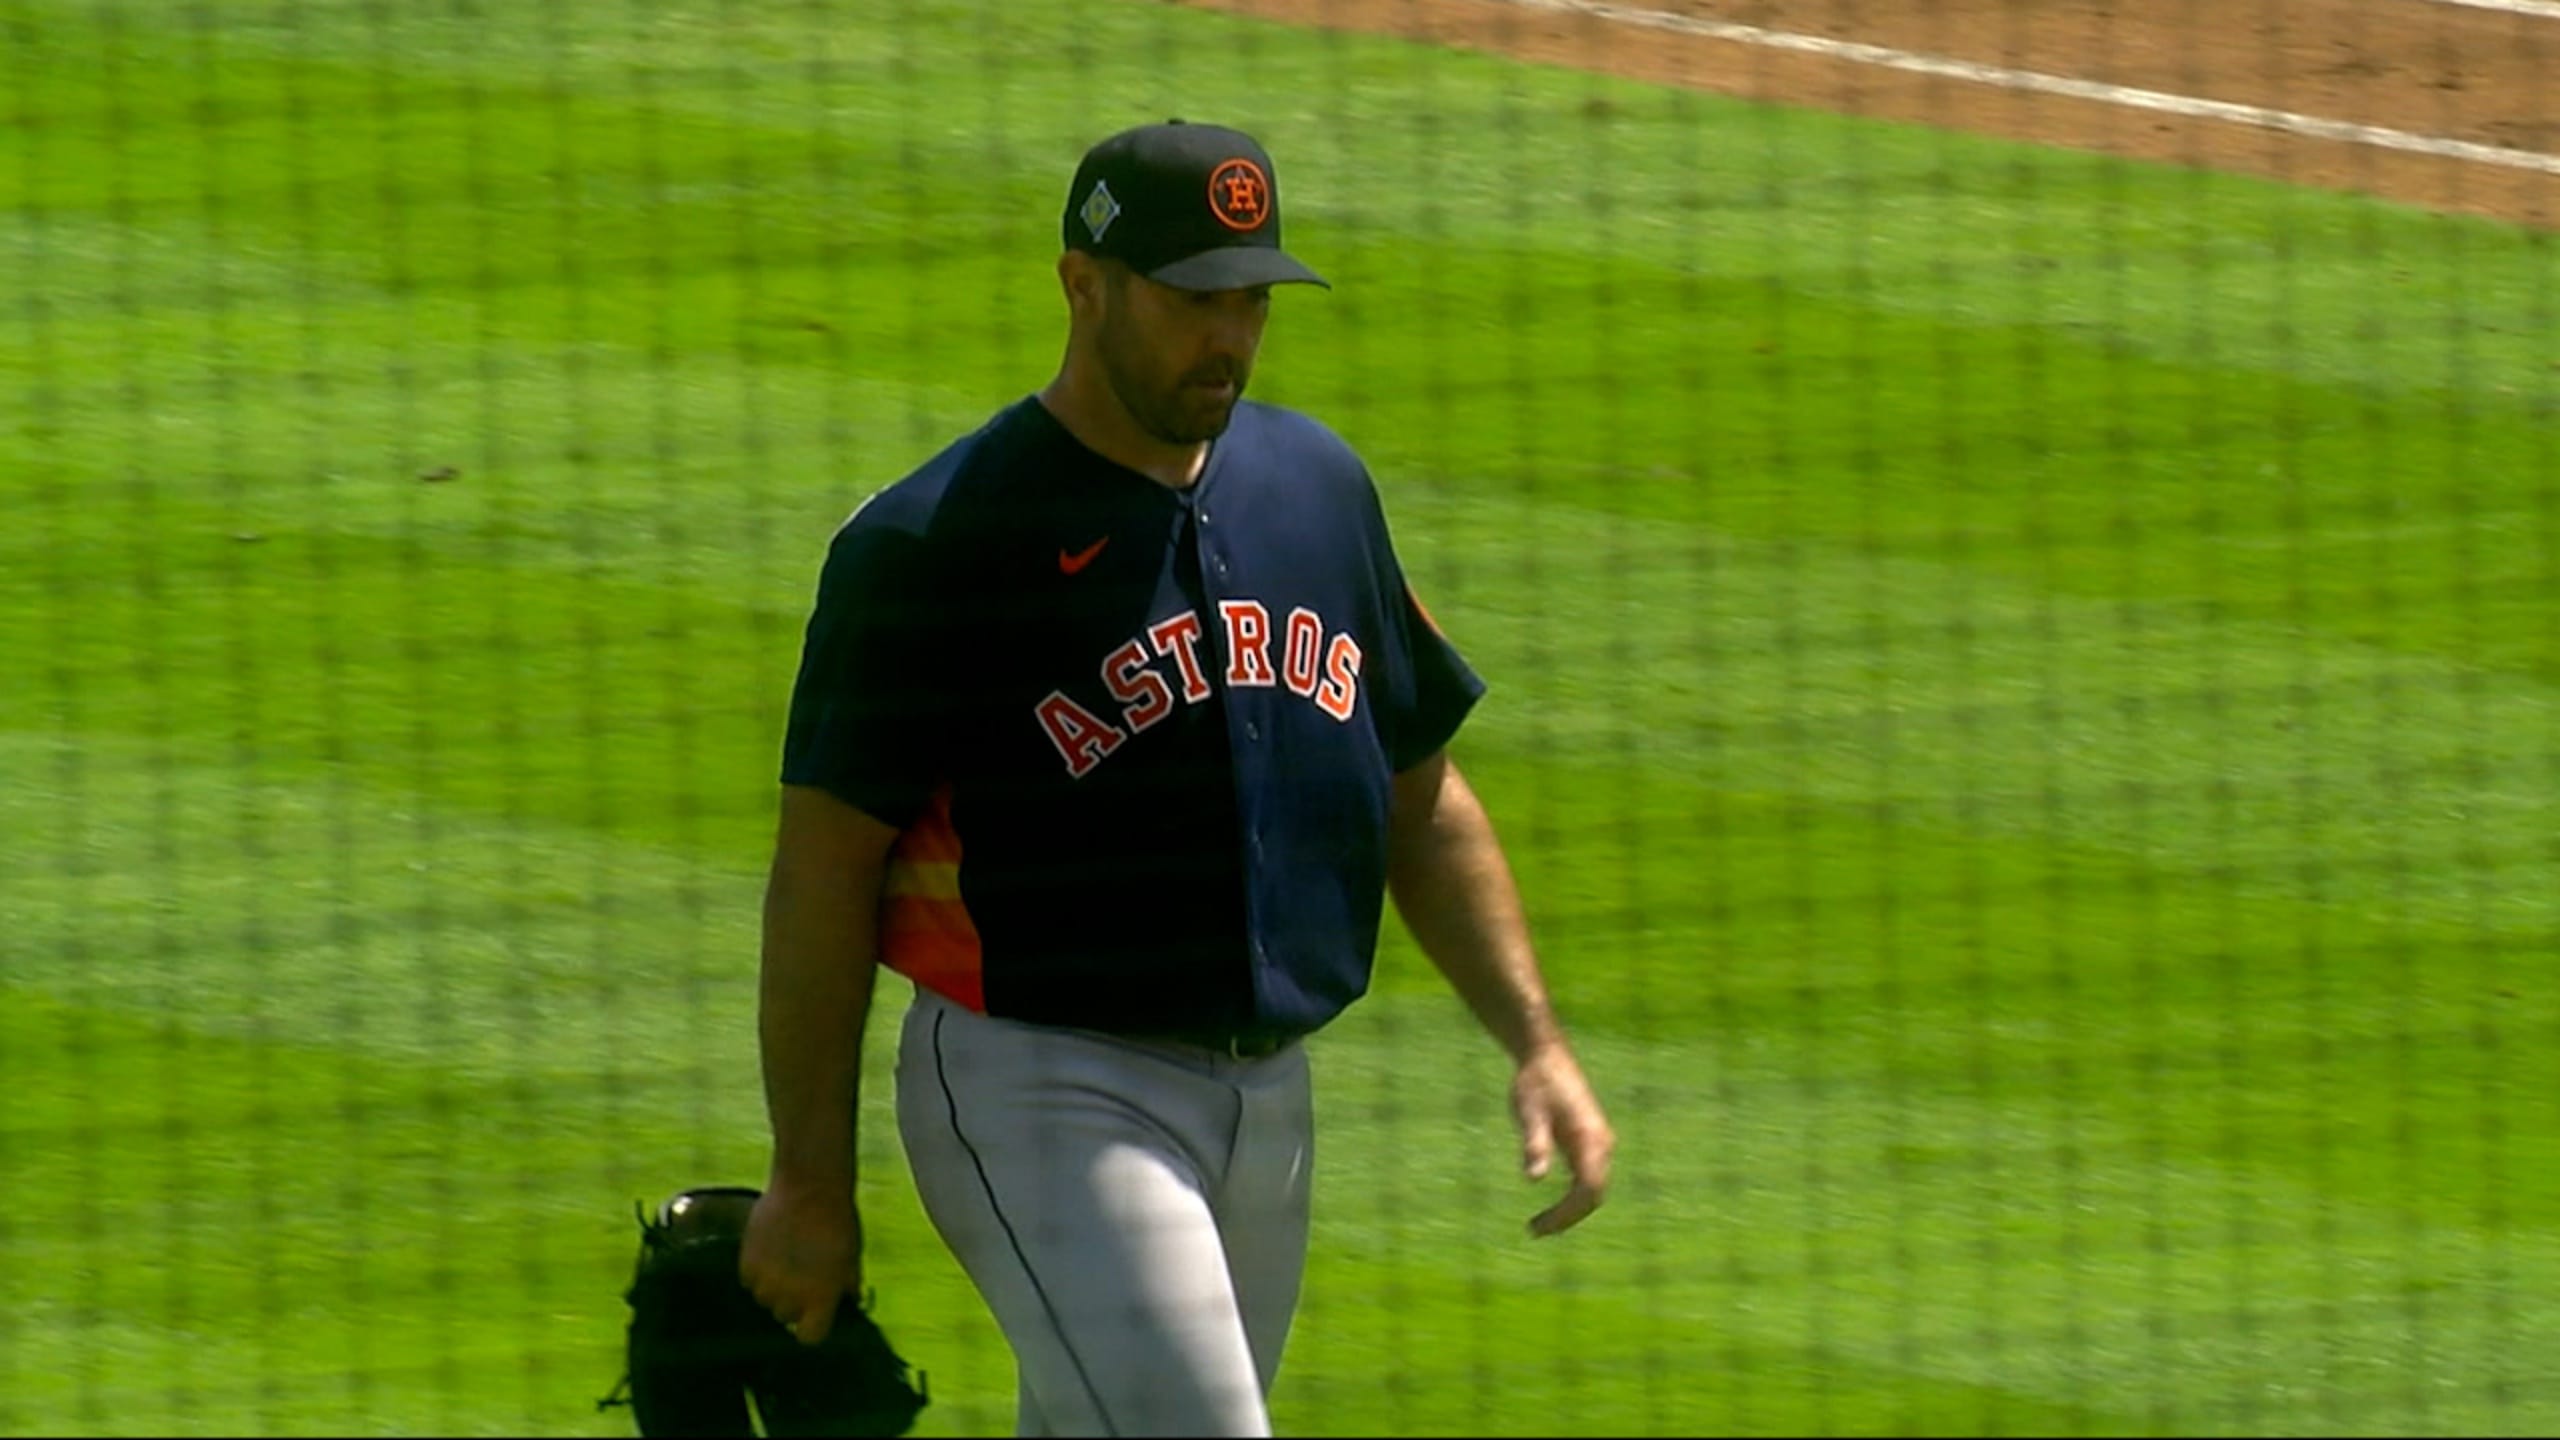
{"x":1142,"y":693}
{"x":1340,"y":693}
{"x":1083,"y":738}
{"x":1298,"y":657}
{"x":1179,"y":637}
{"x":1248,"y":642}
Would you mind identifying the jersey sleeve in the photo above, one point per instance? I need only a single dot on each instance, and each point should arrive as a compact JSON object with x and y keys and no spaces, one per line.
{"x":1431,"y":688}
{"x":862,"y":724}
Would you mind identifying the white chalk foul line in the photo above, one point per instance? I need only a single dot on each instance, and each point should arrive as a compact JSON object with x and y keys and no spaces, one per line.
{"x":2545,"y":9}
{"x":2187,"y":106}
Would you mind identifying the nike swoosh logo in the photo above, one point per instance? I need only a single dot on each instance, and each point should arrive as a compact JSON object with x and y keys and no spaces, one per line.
{"x":1070,"y":564}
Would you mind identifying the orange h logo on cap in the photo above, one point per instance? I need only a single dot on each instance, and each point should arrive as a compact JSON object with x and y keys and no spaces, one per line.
{"x":1240,"y":195}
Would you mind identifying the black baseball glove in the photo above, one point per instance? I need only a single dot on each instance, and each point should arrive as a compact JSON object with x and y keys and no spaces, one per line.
{"x":702,"y":1351}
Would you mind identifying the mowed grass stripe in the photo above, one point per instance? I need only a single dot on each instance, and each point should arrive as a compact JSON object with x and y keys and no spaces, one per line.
{"x":2051,"y":459}
{"x":468,"y":910}
{"x":2030,"y":1270}
{"x":2388,"y":782}
{"x":2254,"y":1032}
{"x":1386,"y":134}
{"x":696,"y":165}
{"x":344,"y":1245}
{"x":2026,"y":1245}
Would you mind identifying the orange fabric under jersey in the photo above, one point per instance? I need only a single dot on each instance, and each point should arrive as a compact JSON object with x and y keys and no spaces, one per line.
{"x":925,"y":930}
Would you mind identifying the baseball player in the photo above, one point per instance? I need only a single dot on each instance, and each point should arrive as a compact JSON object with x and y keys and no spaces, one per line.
{"x":1115,"y":726}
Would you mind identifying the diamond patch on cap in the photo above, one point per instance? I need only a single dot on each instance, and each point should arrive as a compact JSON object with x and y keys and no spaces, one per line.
{"x":1100,"y":209}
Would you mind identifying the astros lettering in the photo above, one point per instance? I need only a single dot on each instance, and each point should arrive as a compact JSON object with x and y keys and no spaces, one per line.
{"x":1324,"y":671}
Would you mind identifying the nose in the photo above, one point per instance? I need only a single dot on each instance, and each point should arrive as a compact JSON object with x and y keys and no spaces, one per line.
{"x":1235,"y":330}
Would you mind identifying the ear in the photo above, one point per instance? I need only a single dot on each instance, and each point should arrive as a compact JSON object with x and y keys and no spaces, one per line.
{"x":1081,"y":279}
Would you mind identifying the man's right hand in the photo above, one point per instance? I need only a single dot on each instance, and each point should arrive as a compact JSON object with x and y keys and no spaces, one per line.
{"x":803,"y":1254}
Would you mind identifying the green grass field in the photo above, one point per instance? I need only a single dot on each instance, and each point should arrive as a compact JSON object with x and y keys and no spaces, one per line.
{"x":2025,"y":702}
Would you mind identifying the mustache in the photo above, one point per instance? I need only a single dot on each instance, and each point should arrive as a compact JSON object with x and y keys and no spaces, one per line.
{"x":1217,"y":374}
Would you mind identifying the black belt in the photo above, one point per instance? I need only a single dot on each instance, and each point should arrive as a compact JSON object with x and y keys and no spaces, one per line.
{"x":1235,"y":1045}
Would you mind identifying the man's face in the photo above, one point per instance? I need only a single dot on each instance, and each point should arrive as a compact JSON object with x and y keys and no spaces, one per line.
{"x":1179,"y":359}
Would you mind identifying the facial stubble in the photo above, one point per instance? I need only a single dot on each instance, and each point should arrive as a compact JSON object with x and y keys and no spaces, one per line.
{"x":1166,"y":413}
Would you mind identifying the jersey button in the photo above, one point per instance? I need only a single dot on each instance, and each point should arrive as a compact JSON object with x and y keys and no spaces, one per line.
{"x":1222,"y":564}
{"x":1253,"y":729}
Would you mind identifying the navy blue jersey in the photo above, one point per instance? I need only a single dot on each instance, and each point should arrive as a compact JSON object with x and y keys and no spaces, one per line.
{"x":1138,"y":741}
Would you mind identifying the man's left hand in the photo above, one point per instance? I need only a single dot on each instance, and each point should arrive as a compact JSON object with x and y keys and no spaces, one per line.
{"x":1557,"y":1111}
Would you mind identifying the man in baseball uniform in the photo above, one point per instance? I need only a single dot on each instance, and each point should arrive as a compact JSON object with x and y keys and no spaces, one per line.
{"x":1115,"y":726}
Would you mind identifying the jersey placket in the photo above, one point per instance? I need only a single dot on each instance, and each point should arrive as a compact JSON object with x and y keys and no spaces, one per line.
{"x":1210,"y":580}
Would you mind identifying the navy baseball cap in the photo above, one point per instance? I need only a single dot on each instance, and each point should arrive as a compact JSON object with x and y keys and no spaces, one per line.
{"x":1196,"y":207}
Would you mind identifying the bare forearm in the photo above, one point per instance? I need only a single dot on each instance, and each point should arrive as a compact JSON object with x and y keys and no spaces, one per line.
{"x":820,"y":953}
{"x":1454,"y":889}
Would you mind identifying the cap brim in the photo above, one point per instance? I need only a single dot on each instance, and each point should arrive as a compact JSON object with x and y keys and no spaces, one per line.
{"x":1235,"y":267}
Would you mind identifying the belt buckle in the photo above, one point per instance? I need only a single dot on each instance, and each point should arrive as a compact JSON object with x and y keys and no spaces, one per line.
{"x":1244,"y":1046}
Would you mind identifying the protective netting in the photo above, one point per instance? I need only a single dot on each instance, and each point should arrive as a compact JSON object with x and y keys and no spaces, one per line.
{"x":2014,"y":545}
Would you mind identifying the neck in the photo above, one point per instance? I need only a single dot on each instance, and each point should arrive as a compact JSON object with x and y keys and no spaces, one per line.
{"x":1084,"y":403}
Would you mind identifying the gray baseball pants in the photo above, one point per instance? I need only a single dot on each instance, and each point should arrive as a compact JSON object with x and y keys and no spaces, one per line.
{"x":1133,"y":1212}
